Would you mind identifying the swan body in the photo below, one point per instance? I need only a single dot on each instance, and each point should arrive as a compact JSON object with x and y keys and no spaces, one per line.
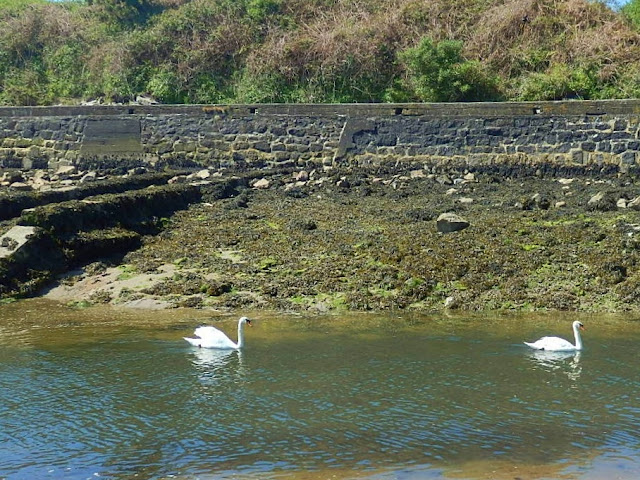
{"x":211,"y":337}
{"x":558,"y":344}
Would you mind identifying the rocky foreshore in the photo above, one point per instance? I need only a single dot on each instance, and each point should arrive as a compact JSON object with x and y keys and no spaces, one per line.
{"x":330,"y":239}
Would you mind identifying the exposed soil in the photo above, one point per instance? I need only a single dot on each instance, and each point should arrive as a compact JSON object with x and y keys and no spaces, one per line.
{"x":365,"y":240}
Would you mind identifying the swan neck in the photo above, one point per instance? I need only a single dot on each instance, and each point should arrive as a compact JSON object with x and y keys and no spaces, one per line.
{"x":240,"y":334}
{"x":576,"y":334}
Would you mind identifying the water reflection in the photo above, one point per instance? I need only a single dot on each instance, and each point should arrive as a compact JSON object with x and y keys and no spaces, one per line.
{"x":564,"y":362}
{"x":214,"y":365}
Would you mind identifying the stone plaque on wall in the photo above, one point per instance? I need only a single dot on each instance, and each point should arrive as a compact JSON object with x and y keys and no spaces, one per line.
{"x":109,"y":135}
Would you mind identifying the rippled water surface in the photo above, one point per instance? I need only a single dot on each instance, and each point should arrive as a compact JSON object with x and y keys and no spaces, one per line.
{"x":102,"y":393}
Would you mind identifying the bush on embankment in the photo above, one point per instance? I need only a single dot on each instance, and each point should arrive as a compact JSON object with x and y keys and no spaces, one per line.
{"x":217,"y":51}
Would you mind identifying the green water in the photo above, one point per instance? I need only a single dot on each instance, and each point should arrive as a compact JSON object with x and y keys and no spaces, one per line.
{"x":104,"y":393}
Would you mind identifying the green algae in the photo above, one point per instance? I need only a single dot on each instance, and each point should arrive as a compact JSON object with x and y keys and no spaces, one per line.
{"x":373,"y":252}
{"x":375,"y":246}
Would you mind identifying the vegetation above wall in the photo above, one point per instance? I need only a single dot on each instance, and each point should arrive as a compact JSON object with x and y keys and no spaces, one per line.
{"x":254,"y":51}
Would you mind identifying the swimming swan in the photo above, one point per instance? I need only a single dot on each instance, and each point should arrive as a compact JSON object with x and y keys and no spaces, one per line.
{"x":211,"y":337}
{"x":559,"y":344}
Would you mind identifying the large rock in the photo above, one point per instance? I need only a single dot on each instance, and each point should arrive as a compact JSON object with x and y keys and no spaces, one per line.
{"x":450,"y":222}
{"x":602,"y":202}
{"x":15,"y":239}
{"x":12,"y":177}
{"x":634,"y":204}
{"x":262,"y":184}
{"x":20,"y":187}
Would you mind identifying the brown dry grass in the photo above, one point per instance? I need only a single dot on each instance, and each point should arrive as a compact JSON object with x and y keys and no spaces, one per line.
{"x":348,"y":42}
{"x":36,"y":26}
{"x":343,"y":38}
{"x":502,"y":35}
{"x":571,"y":31}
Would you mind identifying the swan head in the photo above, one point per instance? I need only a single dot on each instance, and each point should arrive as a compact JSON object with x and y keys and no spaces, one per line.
{"x":578,"y":325}
{"x":244,"y":320}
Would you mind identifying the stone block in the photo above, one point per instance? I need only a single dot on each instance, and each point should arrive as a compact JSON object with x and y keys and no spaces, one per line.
{"x":282,"y":156}
{"x":618,"y":147}
{"x":628,"y":158}
{"x":262,"y":146}
{"x":577,"y":157}
{"x":620,"y":124}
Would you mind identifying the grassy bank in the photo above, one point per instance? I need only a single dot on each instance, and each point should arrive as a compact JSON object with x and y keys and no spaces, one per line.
{"x":246,"y":51}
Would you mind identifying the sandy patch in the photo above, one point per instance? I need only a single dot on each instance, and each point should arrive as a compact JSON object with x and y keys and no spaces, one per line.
{"x":80,"y":286}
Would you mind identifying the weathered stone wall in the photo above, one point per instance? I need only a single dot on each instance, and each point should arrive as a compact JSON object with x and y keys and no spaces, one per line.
{"x":564,"y":133}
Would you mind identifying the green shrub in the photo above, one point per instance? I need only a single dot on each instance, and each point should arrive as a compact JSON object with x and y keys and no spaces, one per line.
{"x":260,"y":88}
{"x":439,"y":73}
{"x":260,"y":10}
{"x":164,"y":85}
{"x":15,"y":6}
{"x":26,"y":86}
{"x":560,"y":82}
{"x":65,"y":72}
{"x":631,"y":11}
{"x":210,"y":51}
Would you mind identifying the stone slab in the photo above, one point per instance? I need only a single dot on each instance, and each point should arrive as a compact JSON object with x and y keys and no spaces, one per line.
{"x":109,"y":135}
{"x":16,"y":238}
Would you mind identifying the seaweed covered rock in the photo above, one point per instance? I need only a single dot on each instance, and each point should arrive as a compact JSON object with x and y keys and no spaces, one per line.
{"x":12,"y":203}
{"x":128,"y":210}
{"x":603,"y":202}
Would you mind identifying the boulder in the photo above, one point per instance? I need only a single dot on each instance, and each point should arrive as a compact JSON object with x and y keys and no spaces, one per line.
{"x":450,"y":222}
{"x":65,"y":171}
{"x":301,"y":176}
{"x":451,"y":303}
{"x":634,"y":204}
{"x":203,"y":174}
{"x":263,"y":183}
{"x":145,"y":100}
{"x":343,"y":183}
{"x":540,"y":201}
{"x":20,"y":186}
{"x":602,"y":202}
{"x":89,"y":177}
{"x":470,"y":178}
{"x":12,"y":177}
{"x":444,"y":180}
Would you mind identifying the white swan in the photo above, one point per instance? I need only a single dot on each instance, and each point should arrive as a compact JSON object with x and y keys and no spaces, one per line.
{"x":211,"y":337}
{"x":558,"y":344}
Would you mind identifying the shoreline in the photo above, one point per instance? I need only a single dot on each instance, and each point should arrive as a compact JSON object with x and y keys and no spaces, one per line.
{"x":363,"y":240}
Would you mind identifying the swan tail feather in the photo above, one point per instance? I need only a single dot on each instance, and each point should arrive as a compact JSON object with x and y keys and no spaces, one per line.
{"x":193,"y":341}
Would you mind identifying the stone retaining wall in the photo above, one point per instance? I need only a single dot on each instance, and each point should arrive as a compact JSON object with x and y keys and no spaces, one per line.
{"x":253,"y":136}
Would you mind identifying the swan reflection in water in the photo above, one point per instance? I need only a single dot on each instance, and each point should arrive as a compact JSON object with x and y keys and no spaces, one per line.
{"x":214,"y":366}
{"x":566,"y":362}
